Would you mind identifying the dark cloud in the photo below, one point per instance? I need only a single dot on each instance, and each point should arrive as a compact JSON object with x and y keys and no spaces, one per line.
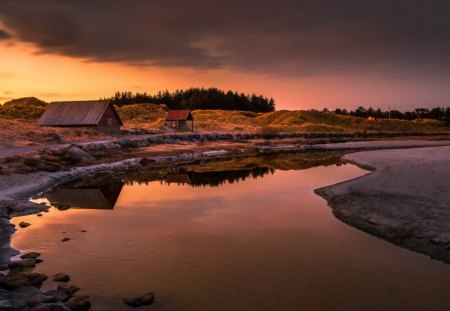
{"x":285,"y":36}
{"x":4,"y":35}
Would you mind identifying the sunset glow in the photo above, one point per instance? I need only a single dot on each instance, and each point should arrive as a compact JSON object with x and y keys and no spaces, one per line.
{"x":300,"y":62}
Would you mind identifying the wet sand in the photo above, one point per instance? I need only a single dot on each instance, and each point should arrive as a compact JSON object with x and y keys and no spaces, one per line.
{"x":405,"y":200}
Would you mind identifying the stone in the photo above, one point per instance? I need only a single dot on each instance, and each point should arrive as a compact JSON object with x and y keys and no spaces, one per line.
{"x":68,"y":290}
{"x":61,"y":277}
{"x":76,"y":154}
{"x":50,"y":307}
{"x":58,"y":295}
{"x":39,"y":215}
{"x":24,"y":224}
{"x":24,"y":263}
{"x":65,"y":239}
{"x":79,"y":303}
{"x":146,"y":299}
{"x":33,"y":255}
{"x":146,"y":161}
{"x":19,"y":279}
{"x":40,"y":298}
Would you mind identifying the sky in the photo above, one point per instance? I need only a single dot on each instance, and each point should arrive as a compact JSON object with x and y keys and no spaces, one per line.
{"x":303,"y":53}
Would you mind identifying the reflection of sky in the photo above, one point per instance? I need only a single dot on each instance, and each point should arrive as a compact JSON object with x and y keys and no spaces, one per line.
{"x":262,"y":244}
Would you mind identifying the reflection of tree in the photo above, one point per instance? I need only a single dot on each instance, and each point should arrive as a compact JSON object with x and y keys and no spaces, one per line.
{"x":216,"y":178}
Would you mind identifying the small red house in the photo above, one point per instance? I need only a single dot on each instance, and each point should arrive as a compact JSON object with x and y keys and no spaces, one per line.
{"x":100,"y":114}
{"x":177,"y":119}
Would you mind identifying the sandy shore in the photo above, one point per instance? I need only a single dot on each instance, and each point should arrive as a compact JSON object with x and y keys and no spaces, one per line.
{"x":405,"y":200}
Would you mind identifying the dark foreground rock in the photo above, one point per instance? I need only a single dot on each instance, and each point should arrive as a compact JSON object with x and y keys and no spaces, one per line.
{"x":61,"y":277}
{"x":146,"y":299}
{"x":20,"y":279}
{"x":50,"y":307}
{"x":79,"y":303}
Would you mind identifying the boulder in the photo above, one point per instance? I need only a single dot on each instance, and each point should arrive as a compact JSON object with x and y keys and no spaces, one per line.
{"x":58,"y":295}
{"x":19,"y":279}
{"x":40,"y":298}
{"x":146,"y":299}
{"x":24,"y":224}
{"x":24,"y":263}
{"x":33,"y":255}
{"x":68,"y":290}
{"x":77,"y":154}
{"x":50,"y":307}
{"x":61,"y":277}
{"x":79,"y":303}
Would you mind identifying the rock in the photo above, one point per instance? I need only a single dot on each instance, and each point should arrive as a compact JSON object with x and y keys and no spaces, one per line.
{"x":50,"y":307}
{"x":79,"y":303}
{"x":24,"y":224}
{"x":146,"y":161}
{"x":58,"y":295}
{"x":39,"y":260}
{"x":39,"y":215}
{"x":68,"y":290}
{"x":84,"y":231}
{"x":146,"y":299}
{"x":24,"y":263}
{"x":124,"y":143}
{"x":40,"y":298}
{"x":15,"y":280}
{"x":61,"y":277}
{"x":33,"y":255}
{"x":76,"y":154}
{"x":65,"y":239}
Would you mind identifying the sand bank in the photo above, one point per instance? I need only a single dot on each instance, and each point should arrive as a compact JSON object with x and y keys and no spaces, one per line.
{"x":405,"y":200}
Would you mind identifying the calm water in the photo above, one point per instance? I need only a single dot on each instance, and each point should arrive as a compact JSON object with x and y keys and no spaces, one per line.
{"x":203,"y":243}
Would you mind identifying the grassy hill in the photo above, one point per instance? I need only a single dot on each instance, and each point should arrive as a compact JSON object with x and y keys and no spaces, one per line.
{"x":151,"y":116}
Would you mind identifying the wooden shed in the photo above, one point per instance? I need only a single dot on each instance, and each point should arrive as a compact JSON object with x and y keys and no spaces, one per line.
{"x":178,"y":119}
{"x":100,"y":114}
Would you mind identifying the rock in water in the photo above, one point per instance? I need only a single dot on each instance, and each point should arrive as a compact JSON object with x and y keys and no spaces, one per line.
{"x":31,"y":255}
{"x":61,"y":277}
{"x":79,"y":303}
{"x":50,"y":307}
{"x":65,"y":239}
{"x":146,"y":299}
{"x":24,"y":224}
{"x":24,"y":263}
{"x":23,"y":279}
{"x":68,"y":290}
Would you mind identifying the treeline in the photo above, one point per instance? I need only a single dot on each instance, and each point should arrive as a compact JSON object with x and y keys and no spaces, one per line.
{"x":198,"y":98}
{"x":438,"y":113}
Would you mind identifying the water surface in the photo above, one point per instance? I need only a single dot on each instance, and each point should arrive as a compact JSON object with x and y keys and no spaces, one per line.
{"x":256,"y":239}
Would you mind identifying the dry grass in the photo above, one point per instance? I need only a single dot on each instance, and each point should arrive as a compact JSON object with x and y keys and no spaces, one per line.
{"x":18,"y":117}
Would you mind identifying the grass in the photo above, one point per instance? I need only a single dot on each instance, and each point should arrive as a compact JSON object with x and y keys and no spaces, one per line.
{"x":18,"y":118}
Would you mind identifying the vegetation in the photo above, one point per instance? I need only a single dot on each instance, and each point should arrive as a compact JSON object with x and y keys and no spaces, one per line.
{"x":199,"y":98}
{"x":437,"y":113}
{"x":27,"y":108}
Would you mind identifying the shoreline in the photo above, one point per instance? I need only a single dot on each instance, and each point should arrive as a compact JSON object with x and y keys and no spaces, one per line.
{"x":16,"y":189}
{"x":405,"y":199}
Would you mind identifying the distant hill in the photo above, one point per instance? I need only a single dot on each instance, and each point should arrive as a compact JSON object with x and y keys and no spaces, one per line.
{"x":152,"y":116}
{"x":23,"y":108}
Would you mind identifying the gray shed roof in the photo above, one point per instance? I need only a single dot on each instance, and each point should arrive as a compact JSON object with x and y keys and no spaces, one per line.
{"x":75,"y":113}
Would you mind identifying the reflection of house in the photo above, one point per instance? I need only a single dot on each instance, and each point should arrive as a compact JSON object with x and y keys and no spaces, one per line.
{"x":178,"y":178}
{"x":178,"y":119}
{"x":101,"y":197}
{"x":99,"y":114}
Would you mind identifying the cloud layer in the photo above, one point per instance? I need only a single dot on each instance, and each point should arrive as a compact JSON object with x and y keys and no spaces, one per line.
{"x":284,"y":37}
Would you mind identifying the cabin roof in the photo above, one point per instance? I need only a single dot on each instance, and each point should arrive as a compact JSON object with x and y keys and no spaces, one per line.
{"x":179,"y":115}
{"x":76,"y":113}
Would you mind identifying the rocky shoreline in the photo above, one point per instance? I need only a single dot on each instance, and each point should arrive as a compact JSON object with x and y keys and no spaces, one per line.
{"x":405,"y":200}
{"x":74,"y":161}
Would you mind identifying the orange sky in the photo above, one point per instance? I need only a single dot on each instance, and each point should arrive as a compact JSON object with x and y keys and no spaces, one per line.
{"x":50,"y":77}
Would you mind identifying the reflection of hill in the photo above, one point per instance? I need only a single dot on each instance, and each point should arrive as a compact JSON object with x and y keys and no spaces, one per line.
{"x":216,"y":178}
{"x":216,"y":172}
{"x":96,"y":196}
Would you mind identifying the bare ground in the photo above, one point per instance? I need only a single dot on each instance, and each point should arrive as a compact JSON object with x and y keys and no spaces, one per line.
{"x":405,"y":200}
